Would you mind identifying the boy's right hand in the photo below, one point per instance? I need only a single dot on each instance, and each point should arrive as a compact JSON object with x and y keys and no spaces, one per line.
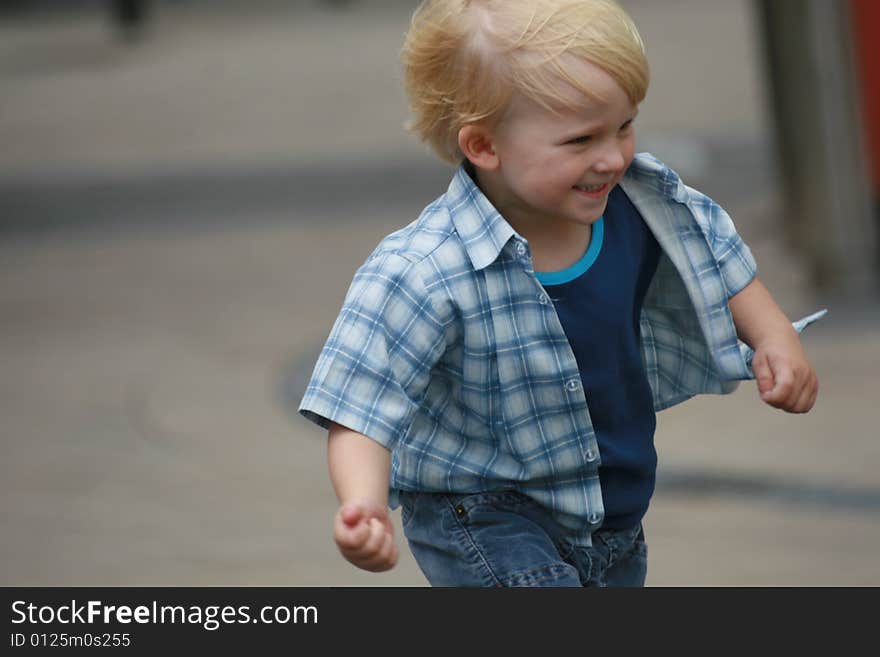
{"x":365,"y":536}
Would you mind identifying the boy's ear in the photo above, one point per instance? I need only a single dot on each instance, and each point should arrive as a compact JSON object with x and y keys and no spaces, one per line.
{"x":475,"y":141}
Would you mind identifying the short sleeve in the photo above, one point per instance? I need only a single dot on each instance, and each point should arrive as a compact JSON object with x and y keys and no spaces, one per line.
{"x":375,"y":366}
{"x":735,"y":260}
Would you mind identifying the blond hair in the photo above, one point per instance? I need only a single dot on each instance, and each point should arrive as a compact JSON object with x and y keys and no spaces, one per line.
{"x":464,"y":59}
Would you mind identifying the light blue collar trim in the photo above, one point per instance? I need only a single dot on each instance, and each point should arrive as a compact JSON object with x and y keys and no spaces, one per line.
{"x":581,"y":266}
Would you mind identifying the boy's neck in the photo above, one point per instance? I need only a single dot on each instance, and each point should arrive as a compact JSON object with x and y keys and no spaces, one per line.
{"x":555,"y":251}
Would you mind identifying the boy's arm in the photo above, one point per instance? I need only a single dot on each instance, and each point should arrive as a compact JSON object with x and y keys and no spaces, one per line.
{"x":784,"y":375}
{"x":359,"y":470}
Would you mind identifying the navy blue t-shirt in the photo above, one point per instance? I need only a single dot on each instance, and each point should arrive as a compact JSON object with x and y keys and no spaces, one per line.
{"x":598,"y":301}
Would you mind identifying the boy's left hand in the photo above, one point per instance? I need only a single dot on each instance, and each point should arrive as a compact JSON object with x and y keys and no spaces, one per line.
{"x":784,"y":376}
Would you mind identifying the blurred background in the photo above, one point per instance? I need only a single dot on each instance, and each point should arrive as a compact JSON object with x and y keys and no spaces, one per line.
{"x":187,"y":187}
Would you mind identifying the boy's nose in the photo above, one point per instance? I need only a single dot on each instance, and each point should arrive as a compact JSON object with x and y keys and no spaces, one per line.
{"x":611,"y":160}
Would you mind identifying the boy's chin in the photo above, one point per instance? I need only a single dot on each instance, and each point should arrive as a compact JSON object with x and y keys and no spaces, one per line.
{"x":591,"y":214}
{"x":588,"y":219}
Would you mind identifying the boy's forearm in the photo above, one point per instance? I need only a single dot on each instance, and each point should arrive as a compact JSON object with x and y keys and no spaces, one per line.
{"x":757,"y":316}
{"x":359,"y":466}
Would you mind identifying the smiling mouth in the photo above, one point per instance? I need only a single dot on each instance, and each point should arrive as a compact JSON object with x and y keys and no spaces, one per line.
{"x":592,"y":190}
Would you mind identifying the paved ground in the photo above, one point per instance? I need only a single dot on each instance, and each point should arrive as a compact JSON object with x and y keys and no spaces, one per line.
{"x":179,"y":221}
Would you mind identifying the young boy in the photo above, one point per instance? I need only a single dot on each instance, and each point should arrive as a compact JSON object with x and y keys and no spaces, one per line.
{"x":497,"y":364}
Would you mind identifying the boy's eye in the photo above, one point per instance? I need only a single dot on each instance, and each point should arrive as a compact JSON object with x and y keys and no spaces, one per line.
{"x":580,"y":140}
{"x":626,"y":126}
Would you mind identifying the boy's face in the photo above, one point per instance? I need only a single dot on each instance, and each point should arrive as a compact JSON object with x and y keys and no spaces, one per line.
{"x":555,"y":169}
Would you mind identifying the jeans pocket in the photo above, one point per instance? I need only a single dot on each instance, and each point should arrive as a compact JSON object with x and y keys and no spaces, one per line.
{"x":640,"y":545}
{"x":472,"y":508}
{"x":407,"y":507}
{"x":512,"y":538}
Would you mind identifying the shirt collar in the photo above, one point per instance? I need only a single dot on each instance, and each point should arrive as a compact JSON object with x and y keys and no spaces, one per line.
{"x":647,"y":169}
{"x":482,"y":229}
{"x":485,"y":232}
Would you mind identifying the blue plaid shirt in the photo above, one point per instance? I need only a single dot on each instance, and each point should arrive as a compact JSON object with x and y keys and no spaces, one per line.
{"x":448,"y":352}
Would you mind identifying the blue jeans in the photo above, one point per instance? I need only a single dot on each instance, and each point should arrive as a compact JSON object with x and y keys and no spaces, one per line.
{"x":507,"y":539}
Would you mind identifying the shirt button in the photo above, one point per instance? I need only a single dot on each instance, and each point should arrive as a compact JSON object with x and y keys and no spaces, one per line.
{"x":591,"y":455}
{"x":543,"y":298}
{"x":572,"y":385}
{"x":520,"y":248}
{"x":594,"y":518}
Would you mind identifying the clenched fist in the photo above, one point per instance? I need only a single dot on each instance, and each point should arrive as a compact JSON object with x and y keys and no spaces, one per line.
{"x":364,"y":535}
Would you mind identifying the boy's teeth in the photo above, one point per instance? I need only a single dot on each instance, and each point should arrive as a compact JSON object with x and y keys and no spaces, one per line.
{"x":590,"y":188}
